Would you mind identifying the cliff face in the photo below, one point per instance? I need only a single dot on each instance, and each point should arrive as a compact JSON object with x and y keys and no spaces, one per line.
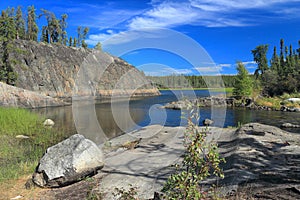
{"x":59,"y":71}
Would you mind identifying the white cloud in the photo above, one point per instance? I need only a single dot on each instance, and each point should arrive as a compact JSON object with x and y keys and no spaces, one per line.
{"x":250,"y":64}
{"x":165,"y":15}
{"x":210,"y":13}
{"x":173,"y":13}
{"x":93,"y":39}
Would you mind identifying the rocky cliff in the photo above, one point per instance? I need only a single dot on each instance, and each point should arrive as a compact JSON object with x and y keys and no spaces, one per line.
{"x":18,"y":97}
{"x":59,"y":71}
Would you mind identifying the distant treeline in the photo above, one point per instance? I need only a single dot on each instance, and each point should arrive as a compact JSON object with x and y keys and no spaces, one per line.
{"x":182,"y":81}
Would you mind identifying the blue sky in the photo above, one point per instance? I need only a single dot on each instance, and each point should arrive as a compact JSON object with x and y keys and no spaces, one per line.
{"x":227,"y":30}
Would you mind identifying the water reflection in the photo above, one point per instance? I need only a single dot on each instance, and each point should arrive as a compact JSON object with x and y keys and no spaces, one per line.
{"x":145,"y":111}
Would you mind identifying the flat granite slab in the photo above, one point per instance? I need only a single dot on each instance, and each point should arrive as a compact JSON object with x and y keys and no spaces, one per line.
{"x":142,"y":167}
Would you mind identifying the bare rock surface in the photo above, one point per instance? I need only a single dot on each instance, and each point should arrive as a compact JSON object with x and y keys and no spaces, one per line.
{"x":262,"y":162}
{"x":67,"y":162}
{"x":57,"y":71}
{"x":263,"y":158}
{"x":11,"y":96}
{"x":257,"y":155}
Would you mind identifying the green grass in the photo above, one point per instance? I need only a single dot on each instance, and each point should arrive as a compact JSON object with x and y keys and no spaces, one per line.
{"x":19,"y":157}
{"x":278,"y":101}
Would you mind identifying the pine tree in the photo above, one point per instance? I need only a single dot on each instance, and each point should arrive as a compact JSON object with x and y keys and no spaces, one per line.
{"x":32,"y":28}
{"x":7,"y":34}
{"x":243,"y":82}
{"x":275,"y":61}
{"x":74,"y":42}
{"x":45,"y":35}
{"x":53,"y":26}
{"x":70,"y":41}
{"x":260,"y":57}
{"x":7,"y":27}
{"x":20,"y":24}
{"x":98,"y":46}
{"x":82,"y":33}
{"x":63,"y":27}
{"x":79,"y":35}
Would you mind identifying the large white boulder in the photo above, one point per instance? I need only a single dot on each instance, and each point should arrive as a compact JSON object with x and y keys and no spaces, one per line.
{"x":68,"y":162}
{"x":294,"y":100}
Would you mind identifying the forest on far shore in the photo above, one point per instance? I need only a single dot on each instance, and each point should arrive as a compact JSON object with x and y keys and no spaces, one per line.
{"x":193,"y":81}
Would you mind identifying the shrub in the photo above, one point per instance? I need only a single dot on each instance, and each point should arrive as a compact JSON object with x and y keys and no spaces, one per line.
{"x":200,"y":161}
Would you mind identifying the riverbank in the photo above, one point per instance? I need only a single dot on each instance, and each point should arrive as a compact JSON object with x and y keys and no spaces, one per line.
{"x":261,"y":161}
{"x":268,"y":104}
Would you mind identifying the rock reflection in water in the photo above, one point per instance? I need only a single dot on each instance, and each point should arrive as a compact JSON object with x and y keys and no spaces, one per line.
{"x":93,"y":119}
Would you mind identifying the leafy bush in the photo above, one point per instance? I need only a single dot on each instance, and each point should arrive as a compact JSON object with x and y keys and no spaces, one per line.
{"x":200,"y":161}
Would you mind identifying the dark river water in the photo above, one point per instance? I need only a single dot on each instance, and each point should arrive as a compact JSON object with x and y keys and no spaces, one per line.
{"x":91,"y":117}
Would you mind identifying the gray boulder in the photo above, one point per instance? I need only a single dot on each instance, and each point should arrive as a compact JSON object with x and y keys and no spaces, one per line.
{"x":289,"y":125}
{"x":294,"y":100}
{"x":259,"y":129}
{"x":207,"y":122}
{"x":67,"y":162}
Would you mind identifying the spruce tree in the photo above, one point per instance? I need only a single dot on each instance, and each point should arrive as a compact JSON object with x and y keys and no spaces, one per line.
{"x":98,"y":46}
{"x":70,"y":42}
{"x":260,"y":57}
{"x":275,"y":61}
{"x":32,"y":28}
{"x":243,"y":82}
{"x":63,"y":27}
{"x":20,"y":24}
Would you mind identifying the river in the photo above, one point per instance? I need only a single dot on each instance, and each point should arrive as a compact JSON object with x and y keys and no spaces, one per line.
{"x":115,"y":118}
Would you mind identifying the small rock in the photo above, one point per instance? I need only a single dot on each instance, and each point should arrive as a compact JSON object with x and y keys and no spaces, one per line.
{"x":17,"y":197}
{"x":48,"y":122}
{"x":289,"y":125}
{"x":22,"y":137}
{"x":297,"y":109}
{"x":207,"y":122}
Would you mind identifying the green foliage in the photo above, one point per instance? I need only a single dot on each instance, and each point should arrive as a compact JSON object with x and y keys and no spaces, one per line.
{"x":82,"y":33}
{"x":200,"y":161}
{"x":260,"y":57}
{"x":123,"y":194}
{"x":20,"y":24}
{"x":98,"y":46}
{"x":20,"y":156}
{"x":243,"y":83}
{"x":32,"y":27}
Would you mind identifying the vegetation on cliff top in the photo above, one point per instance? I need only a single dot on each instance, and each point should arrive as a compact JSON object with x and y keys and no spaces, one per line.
{"x":14,"y":25}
